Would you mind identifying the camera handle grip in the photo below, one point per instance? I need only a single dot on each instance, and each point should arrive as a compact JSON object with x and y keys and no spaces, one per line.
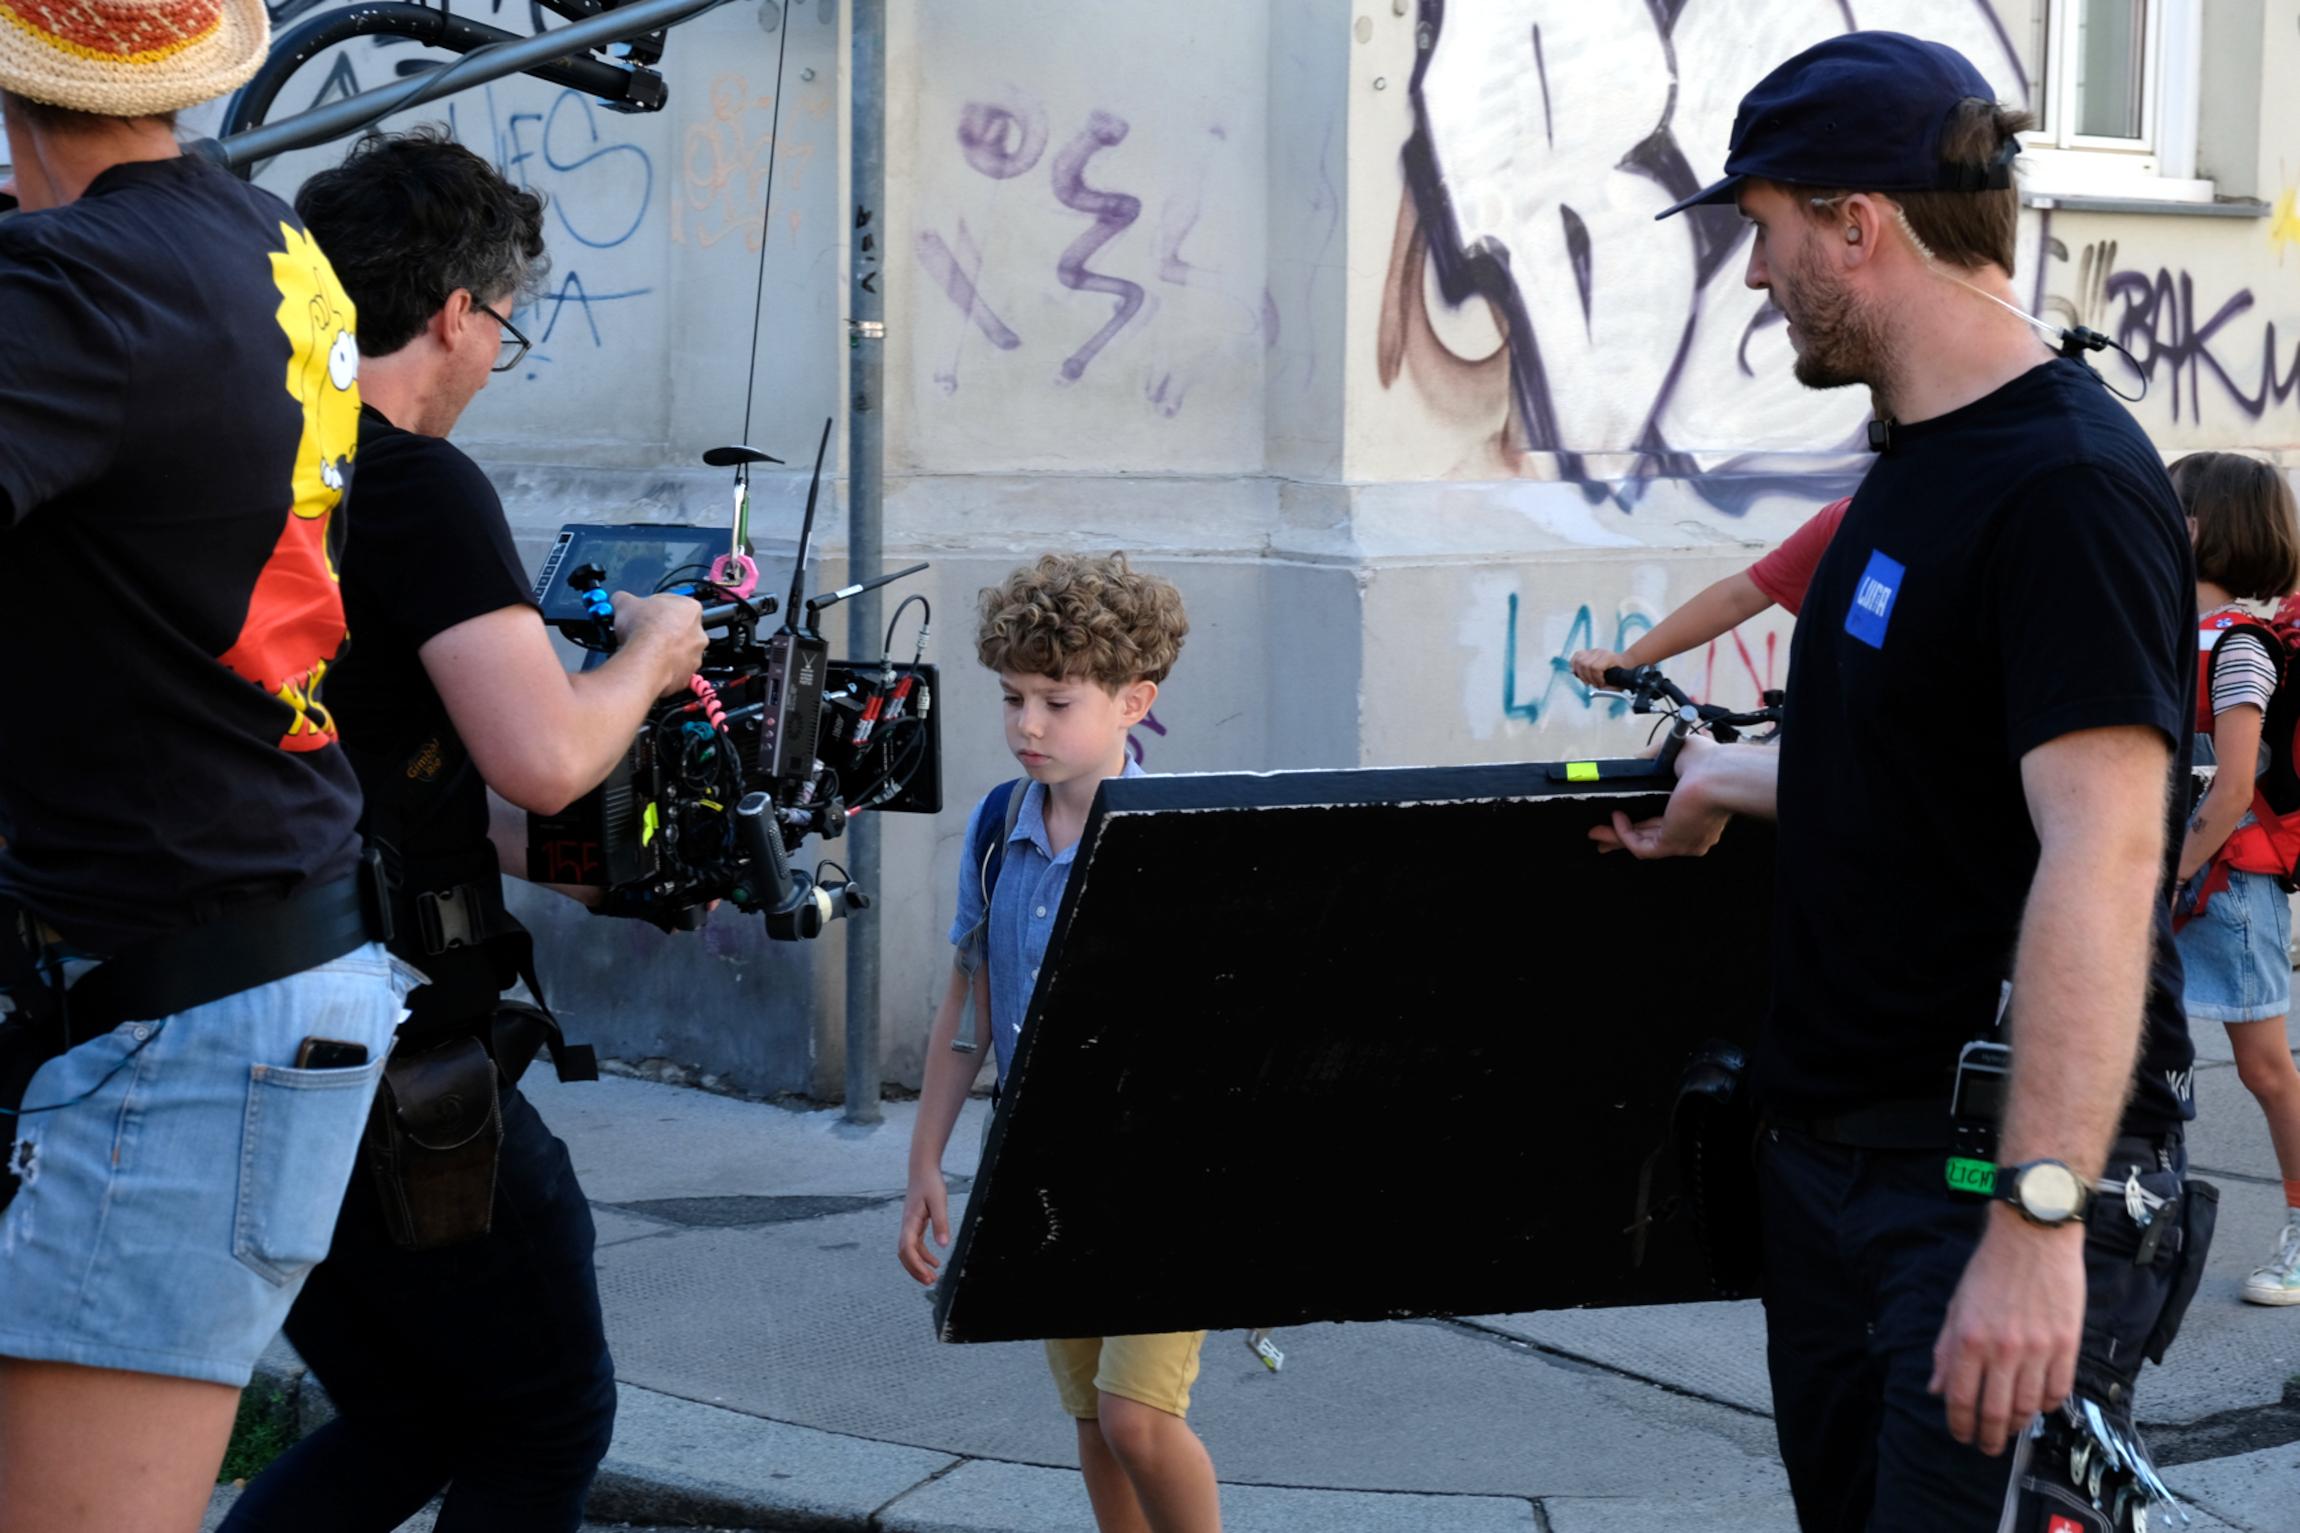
{"x":755,"y":823}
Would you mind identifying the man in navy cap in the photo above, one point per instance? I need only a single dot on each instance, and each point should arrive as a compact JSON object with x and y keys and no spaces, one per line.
{"x":1989,"y":689}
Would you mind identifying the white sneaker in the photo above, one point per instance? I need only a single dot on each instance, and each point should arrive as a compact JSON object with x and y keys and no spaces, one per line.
{"x":2279,"y":1281}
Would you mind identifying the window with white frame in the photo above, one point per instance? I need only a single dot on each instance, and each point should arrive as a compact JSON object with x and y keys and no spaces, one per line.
{"x":2115,"y":95}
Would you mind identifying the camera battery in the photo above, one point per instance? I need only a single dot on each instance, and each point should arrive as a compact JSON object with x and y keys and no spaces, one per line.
{"x":798,"y":664}
{"x":606,"y":837}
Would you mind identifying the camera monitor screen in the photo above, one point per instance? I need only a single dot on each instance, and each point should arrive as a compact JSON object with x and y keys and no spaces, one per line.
{"x":637,"y":557}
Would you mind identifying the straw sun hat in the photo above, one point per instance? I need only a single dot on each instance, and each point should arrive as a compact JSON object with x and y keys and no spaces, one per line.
{"x":129,"y":58}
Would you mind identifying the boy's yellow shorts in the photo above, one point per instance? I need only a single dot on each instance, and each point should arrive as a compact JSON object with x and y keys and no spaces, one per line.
{"x":1156,"y":1371}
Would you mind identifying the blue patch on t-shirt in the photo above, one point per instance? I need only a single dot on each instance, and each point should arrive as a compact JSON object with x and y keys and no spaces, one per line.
{"x":1872,"y":608}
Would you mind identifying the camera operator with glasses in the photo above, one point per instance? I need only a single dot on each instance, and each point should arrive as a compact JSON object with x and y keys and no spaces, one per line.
{"x":456,"y":1322}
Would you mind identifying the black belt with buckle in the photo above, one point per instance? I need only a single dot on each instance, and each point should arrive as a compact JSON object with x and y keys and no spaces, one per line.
{"x":246,"y":946}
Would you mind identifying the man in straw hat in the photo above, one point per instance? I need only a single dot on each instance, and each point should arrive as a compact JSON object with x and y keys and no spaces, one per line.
{"x":187,"y":928}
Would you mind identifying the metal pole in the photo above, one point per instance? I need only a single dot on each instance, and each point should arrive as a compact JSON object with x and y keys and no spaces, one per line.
{"x":866,"y":442}
{"x":496,"y":61}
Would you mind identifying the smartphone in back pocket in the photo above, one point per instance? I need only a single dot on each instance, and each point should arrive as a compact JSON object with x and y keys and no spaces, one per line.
{"x":329,"y":1054}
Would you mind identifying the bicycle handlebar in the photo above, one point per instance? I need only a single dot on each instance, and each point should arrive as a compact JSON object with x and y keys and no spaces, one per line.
{"x":1646,"y":684}
{"x":1651,"y":692}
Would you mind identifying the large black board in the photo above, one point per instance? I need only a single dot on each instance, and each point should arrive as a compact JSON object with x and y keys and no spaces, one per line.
{"x":1358,"y":1045}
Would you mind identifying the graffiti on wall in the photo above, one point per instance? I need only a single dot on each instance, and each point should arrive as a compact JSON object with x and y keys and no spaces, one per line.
{"x":2284,"y":222}
{"x":1534,"y":306}
{"x":727,"y":160}
{"x":2177,"y":337}
{"x":1134,"y":745}
{"x":599,"y":187}
{"x":1116,"y":264}
{"x":1741,"y":664}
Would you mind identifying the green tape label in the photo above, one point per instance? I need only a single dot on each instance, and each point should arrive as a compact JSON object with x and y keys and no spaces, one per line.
{"x":1581,"y":771}
{"x":1972,"y":1175}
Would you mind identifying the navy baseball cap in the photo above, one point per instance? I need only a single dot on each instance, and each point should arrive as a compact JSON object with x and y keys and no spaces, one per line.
{"x":1863,"y":110}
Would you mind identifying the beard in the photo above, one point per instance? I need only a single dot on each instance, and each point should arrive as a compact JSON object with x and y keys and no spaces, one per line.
{"x":1840,"y":343}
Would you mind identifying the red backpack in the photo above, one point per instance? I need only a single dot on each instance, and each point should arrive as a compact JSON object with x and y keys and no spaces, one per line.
{"x":2271,"y":844}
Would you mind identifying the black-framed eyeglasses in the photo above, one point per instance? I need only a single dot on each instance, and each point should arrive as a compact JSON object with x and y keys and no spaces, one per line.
{"x":515,"y":345}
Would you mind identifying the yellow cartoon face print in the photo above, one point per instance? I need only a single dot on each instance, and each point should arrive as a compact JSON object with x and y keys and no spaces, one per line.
{"x":323,"y":370}
{"x":294,"y":624}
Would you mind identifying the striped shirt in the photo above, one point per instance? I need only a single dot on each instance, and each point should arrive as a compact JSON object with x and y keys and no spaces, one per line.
{"x":2243,"y":675}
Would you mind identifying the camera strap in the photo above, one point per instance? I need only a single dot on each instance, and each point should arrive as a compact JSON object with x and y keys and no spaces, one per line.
{"x":463,"y":996}
{"x":449,"y":917}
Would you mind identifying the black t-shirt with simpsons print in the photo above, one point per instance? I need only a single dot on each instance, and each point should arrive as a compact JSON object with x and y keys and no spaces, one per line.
{"x":178,"y":414}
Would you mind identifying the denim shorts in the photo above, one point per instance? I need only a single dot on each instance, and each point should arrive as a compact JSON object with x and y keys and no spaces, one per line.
{"x":169,"y":1215}
{"x":2238,"y":955}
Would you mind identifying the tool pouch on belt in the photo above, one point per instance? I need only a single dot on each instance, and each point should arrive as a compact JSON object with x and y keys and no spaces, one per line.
{"x":2084,"y":1467}
{"x":2199,"y":1216}
{"x":2140,"y":1275}
{"x":433,"y":1139}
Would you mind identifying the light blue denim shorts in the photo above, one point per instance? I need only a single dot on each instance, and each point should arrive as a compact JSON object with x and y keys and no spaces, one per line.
{"x":167,"y":1220}
{"x":2237,"y":956}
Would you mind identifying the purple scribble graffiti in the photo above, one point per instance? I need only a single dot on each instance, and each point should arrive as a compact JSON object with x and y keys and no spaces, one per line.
{"x":1165,"y":394}
{"x":1002,"y":141}
{"x":1134,"y":742}
{"x":1177,"y":218}
{"x":957,"y":280}
{"x":1113,"y":214}
{"x":1175,"y":221}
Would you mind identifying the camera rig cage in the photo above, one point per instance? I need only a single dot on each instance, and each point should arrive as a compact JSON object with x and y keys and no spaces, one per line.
{"x":773,"y":741}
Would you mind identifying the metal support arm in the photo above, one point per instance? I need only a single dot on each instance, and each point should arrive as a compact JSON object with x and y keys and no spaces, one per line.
{"x":494,"y":60}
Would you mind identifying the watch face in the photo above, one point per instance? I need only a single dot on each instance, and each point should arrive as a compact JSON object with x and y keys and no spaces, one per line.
{"x":2049,"y":1192}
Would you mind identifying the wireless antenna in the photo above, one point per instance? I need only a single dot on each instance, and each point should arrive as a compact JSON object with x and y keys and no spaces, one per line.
{"x":806,"y":535}
{"x":797,"y":661}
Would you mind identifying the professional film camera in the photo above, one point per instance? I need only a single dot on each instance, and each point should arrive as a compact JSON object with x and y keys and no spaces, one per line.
{"x":773,"y":742}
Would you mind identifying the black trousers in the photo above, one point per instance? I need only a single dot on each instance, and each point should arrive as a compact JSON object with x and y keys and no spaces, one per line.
{"x":1863,"y":1250}
{"x":481,"y":1369}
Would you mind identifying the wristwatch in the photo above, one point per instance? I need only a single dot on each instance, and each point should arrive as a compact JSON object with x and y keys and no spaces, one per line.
{"x":2045,"y":1191}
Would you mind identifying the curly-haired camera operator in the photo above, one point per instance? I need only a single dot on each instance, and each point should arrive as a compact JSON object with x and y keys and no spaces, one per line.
{"x":456,"y":1322}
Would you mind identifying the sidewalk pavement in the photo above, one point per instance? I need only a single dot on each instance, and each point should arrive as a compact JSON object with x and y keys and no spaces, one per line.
{"x":779,"y":1371}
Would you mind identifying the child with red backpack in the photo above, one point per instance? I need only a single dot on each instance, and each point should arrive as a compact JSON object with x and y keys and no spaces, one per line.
{"x":2243,"y":842}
